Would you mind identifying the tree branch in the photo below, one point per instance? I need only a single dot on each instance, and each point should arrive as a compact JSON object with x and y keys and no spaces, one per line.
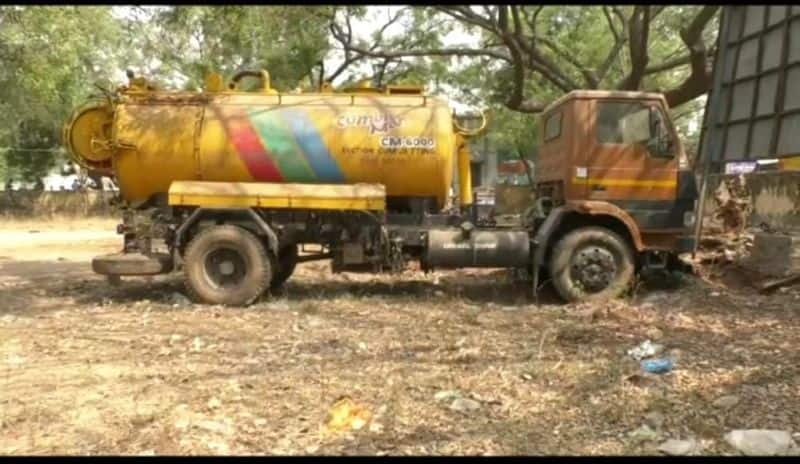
{"x":611,"y":24}
{"x":699,"y":80}
{"x":675,"y":62}
{"x":589,"y":76}
{"x":454,"y":51}
{"x":638,"y":29}
{"x":379,"y":34}
{"x":467,"y":15}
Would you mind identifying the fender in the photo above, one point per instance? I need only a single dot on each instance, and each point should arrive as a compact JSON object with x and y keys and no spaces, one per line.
{"x":272,"y":239}
{"x":542,"y":239}
{"x":595,"y":208}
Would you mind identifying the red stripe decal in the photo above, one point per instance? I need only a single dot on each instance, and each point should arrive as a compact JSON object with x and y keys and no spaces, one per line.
{"x":250,"y":149}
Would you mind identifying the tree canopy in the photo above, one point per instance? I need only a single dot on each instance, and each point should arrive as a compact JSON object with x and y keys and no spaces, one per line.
{"x":517,"y":58}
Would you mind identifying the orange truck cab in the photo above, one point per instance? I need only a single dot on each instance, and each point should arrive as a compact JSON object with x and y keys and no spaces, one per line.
{"x":613,"y":189}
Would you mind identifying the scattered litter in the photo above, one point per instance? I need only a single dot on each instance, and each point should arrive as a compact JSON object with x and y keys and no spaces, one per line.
{"x":645,"y":350}
{"x":346,"y":415}
{"x":446,"y":395}
{"x":464,"y":405}
{"x":758,"y":442}
{"x":657,"y":366}
{"x":643,"y":433}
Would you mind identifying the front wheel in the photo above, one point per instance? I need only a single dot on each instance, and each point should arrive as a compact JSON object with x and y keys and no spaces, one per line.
{"x":226,"y":265}
{"x":591,"y":264}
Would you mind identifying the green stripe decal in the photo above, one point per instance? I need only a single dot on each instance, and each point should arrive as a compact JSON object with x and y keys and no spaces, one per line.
{"x":278,"y":140}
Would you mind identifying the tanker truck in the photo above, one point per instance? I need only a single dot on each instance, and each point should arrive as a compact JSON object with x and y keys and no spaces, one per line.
{"x":233,"y":188}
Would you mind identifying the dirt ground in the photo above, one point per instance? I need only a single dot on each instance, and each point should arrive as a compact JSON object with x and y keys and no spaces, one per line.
{"x":89,"y":368}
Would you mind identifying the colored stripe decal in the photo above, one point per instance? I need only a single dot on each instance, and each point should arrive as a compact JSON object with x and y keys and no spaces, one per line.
{"x":281,"y":146}
{"x":249,"y":147}
{"x":310,"y":141}
{"x":627,"y":182}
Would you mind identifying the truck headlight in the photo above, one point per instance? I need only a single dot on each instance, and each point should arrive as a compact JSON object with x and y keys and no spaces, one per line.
{"x":688,"y":219}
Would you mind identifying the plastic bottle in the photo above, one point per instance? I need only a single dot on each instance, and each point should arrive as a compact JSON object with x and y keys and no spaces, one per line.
{"x":657,"y":366}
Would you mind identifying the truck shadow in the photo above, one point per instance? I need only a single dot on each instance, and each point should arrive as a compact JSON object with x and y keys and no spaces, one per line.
{"x":30,"y":286}
{"x":482,"y":292}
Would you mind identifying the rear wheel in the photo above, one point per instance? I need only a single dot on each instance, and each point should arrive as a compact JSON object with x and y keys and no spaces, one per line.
{"x":226,"y":265}
{"x":591,"y":264}
{"x":286,"y":262}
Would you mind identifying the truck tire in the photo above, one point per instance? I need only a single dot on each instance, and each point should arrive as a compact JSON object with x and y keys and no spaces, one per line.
{"x":591,"y":264}
{"x":226,"y":265}
{"x":286,"y":262}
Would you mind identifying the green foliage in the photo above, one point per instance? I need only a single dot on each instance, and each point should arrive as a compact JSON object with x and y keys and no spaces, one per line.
{"x":191,"y":41}
{"x":511,"y":134}
{"x":50,"y":57}
{"x":54,"y":55}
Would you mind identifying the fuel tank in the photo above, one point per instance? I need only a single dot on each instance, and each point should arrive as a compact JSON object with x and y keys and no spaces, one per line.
{"x":455,"y":249}
{"x":147,"y":139}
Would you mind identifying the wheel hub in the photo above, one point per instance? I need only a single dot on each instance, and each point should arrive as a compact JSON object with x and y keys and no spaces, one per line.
{"x":594,"y":268}
{"x":225,"y":267}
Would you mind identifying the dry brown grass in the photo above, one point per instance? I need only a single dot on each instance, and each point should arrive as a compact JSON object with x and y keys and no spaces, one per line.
{"x":86,"y":368}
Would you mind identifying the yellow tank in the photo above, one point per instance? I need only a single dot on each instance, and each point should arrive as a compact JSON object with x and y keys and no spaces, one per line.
{"x":147,"y":139}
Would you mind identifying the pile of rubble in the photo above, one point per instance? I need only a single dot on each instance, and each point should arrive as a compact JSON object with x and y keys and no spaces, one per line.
{"x":726,"y":238}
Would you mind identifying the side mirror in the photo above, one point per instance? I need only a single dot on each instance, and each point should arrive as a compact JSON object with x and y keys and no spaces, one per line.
{"x":660,"y":143}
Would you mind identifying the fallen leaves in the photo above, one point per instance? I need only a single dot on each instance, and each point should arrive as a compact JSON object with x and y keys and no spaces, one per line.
{"x":386,"y":340}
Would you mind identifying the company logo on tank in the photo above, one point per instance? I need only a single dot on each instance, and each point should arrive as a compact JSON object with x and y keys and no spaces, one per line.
{"x":380,"y":123}
{"x":383,"y":123}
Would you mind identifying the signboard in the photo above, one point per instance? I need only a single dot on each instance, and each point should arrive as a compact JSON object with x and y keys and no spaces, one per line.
{"x":757,"y":97}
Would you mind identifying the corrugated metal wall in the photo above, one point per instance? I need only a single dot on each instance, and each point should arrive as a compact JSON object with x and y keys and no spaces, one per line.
{"x":759,"y":91}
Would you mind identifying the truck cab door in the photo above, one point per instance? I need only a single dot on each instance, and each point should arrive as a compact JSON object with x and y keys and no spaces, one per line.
{"x":633,"y":159}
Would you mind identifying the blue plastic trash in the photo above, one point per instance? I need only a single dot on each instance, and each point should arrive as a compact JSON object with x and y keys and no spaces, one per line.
{"x":657,"y":366}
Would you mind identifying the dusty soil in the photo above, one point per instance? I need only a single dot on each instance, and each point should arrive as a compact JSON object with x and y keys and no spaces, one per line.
{"x":89,"y":368}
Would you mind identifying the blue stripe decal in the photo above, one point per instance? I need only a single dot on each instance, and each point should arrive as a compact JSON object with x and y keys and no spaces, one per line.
{"x":308,"y":138}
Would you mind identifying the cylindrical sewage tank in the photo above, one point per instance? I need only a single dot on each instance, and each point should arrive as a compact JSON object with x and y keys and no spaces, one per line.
{"x":148,"y":139}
